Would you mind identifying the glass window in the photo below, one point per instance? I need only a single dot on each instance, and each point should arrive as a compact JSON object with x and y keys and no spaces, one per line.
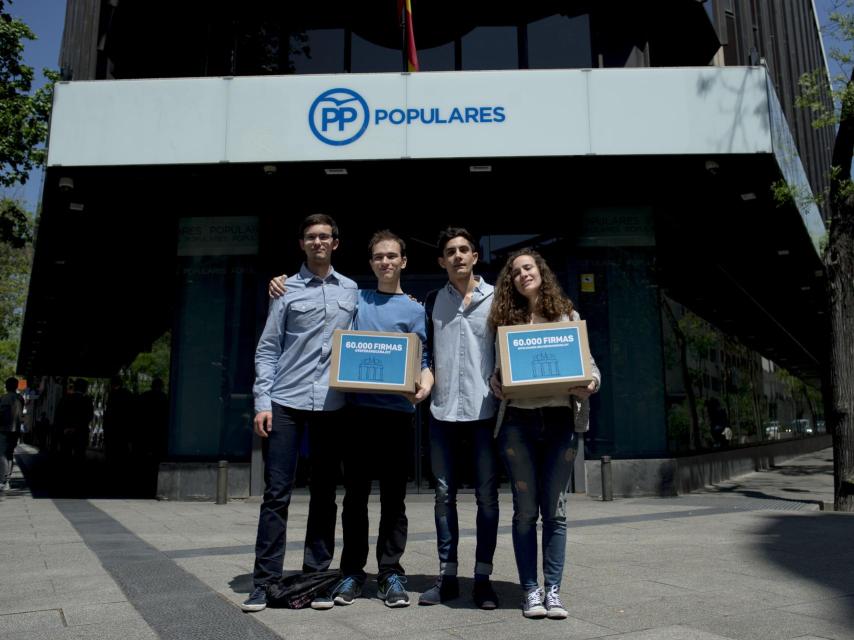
{"x":437,"y":58}
{"x":317,"y":51}
{"x":367,"y":57}
{"x":490,"y":48}
{"x":709,"y":6}
{"x":560,"y":42}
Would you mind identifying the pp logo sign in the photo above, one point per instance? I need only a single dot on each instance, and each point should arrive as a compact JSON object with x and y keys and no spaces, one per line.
{"x":338,"y":117}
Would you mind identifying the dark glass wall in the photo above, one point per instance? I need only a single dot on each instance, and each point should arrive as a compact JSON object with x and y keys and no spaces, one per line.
{"x":138,"y":40}
{"x":214,"y":341}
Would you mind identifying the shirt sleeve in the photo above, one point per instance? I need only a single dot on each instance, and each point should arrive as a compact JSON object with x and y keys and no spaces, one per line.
{"x":267,"y":354}
{"x":419,"y":327}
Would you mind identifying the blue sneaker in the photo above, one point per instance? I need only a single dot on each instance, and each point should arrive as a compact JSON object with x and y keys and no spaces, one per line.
{"x":392,"y":591}
{"x":347,"y":591}
{"x":257,"y":600}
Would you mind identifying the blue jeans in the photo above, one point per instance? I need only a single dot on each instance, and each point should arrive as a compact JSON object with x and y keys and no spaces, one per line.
{"x":281,"y":452}
{"x":538,"y":447}
{"x":445,"y":456}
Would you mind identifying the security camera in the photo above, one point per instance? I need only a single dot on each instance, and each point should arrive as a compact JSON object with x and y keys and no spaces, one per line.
{"x":712,"y":167}
{"x":66,"y":184}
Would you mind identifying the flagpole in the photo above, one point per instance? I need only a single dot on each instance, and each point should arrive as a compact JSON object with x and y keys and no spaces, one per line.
{"x":401,"y":8}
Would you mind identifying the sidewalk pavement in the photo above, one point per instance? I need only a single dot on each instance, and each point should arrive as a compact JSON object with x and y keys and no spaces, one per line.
{"x":751,"y":558}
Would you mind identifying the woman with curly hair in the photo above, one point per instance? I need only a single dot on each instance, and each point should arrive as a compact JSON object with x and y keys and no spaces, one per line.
{"x":537,"y":438}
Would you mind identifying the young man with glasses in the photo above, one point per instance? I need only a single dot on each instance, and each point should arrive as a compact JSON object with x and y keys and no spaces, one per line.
{"x":292,"y":396}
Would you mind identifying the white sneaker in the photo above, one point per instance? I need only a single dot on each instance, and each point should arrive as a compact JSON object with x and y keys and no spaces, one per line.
{"x":555,"y":608}
{"x":5,"y":486}
{"x":532,"y":604}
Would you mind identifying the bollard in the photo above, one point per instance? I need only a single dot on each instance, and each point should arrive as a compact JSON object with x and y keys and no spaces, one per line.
{"x":222,"y":482}
{"x":607,"y":483}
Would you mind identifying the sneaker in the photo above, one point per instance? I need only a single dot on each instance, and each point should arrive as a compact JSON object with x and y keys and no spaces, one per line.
{"x":347,"y":591}
{"x":5,"y":486}
{"x":555,"y":608}
{"x":484,"y":595}
{"x":532,"y":604}
{"x":323,"y":602}
{"x":446,"y":588}
{"x":257,"y":600}
{"x":392,"y":591}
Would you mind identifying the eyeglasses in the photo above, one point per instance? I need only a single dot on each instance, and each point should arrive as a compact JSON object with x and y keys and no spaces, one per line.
{"x":323,"y":237}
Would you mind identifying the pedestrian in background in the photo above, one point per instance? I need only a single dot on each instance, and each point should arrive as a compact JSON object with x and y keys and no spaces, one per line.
{"x":11,"y":417}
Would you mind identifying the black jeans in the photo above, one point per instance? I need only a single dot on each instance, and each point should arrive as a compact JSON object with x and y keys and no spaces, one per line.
{"x":281,"y":452}
{"x":378,"y":443}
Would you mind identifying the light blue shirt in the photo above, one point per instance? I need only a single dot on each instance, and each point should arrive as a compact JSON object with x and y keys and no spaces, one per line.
{"x":292,"y":358}
{"x":463,"y":355}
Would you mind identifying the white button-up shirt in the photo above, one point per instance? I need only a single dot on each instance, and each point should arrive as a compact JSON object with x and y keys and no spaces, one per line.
{"x":463,"y":355}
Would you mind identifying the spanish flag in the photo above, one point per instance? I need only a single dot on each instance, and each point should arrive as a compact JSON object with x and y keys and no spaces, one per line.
{"x":404,"y":10}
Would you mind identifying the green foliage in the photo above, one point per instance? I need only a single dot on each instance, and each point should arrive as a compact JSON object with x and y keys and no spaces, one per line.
{"x":153,"y":364}
{"x":23,"y":113}
{"x":16,"y":234}
{"x":699,"y":334}
{"x":679,"y":425}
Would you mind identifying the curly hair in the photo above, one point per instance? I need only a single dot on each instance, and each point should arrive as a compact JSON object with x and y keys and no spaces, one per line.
{"x":510,"y":307}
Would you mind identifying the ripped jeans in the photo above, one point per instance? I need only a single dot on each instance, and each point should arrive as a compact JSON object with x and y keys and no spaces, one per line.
{"x":538,"y":447}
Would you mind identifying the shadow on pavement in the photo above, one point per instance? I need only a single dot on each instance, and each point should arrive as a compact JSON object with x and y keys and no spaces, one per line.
{"x":51,"y":476}
{"x":509,"y":594}
{"x":761,"y":495}
{"x":818,"y":548}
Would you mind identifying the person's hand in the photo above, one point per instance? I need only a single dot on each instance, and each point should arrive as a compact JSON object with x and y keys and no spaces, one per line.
{"x":263,"y":423}
{"x":496,"y":386}
{"x":423,"y":387}
{"x":276,"y":288}
{"x":583,"y":392}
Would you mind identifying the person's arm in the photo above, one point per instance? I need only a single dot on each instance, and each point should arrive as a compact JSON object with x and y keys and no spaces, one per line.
{"x":276,"y":287}
{"x":495,"y":379}
{"x":267,"y":356}
{"x":495,"y":385}
{"x":425,"y":383}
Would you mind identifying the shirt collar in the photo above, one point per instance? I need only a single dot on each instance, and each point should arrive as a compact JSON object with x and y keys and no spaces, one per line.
{"x":307,"y":275}
{"x":479,"y":287}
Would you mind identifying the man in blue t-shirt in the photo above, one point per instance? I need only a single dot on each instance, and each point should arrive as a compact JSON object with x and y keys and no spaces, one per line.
{"x":380,"y":439}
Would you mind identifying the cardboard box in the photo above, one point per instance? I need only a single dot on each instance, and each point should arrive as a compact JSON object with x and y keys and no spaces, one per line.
{"x":543,"y":359}
{"x":375,"y":361}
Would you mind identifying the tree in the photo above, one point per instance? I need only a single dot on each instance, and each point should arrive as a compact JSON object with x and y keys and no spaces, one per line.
{"x":23,"y":131}
{"x":23,"y":112}
{"x":16,"y":235}
{"x":839,"y":251}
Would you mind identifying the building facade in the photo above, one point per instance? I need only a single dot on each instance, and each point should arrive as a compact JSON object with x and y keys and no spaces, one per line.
{"x":635,"y":145}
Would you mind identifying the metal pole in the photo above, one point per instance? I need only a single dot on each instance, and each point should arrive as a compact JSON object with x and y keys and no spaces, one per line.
{"x":222,"y":482}
{"x":607,"y":480}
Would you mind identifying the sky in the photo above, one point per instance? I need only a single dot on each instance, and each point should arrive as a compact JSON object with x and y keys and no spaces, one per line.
{"x":46,"y":18}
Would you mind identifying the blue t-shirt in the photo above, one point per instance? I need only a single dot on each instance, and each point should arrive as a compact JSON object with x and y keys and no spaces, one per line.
{"x":392,"y":312}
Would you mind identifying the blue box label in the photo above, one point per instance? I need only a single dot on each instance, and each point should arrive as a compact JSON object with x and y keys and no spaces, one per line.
{"x":545,"y":354}
{"x":377,"y":359}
